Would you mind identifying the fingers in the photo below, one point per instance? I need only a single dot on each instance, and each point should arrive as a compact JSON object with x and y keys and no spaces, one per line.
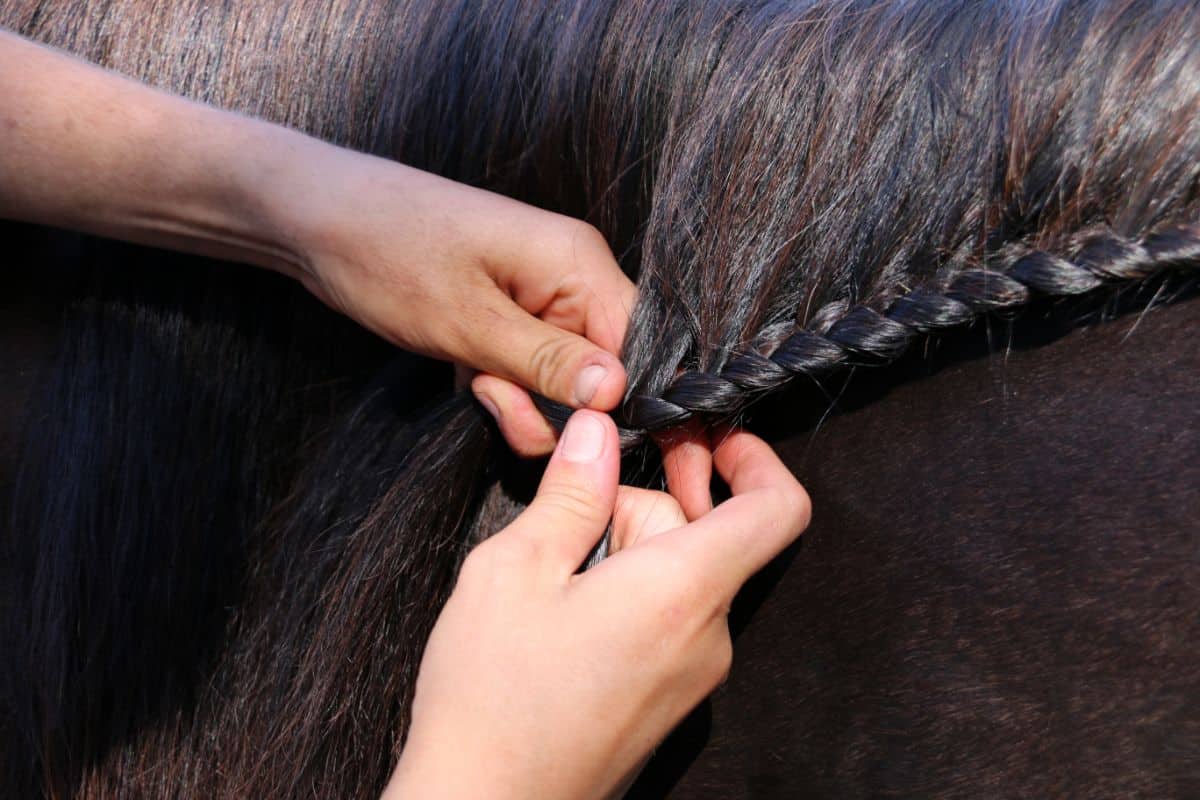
{"x":548,"y":359}
{"x":522,"y":424}
{"x":641,"y":514}
{"x":567,"y":312}
{"x":768,"y":510}
{"x":575,"y":498}
{"x":564,"y":272}
{"x":687,"y":461}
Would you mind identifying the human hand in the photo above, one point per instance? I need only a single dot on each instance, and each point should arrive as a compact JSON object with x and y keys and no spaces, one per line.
{"x":528,"y":297}
{"x":531,"y":298}
{"x":538,"y":682}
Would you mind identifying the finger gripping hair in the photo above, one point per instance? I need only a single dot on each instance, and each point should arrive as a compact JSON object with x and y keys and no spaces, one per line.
{"x":862,"y":335}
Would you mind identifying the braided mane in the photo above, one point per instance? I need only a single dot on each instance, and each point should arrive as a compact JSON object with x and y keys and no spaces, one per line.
{"x":846,"y":335}
{"x":238,"y":517}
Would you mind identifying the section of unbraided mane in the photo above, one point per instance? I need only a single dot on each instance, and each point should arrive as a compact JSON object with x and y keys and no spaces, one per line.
{"x":881,"y":337}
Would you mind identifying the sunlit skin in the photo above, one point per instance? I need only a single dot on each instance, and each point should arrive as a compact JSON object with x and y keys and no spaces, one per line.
{"x":540,"y":682}
{"x":431,"y":265}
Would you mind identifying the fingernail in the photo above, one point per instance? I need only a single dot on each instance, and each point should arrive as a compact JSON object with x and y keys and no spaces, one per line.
{"x":583,"y":439}
{"x":490,"y":405}
{"x":588,"y":381}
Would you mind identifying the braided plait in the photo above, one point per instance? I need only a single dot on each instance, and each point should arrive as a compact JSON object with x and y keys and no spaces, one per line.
{"x":860,"y":333}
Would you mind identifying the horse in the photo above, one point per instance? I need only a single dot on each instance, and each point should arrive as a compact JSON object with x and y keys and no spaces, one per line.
{"x":941,"y":254}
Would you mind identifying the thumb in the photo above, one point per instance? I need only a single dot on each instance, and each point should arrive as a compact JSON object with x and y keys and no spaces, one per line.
{"x":578,"y":490}
{"x":551,"y":361}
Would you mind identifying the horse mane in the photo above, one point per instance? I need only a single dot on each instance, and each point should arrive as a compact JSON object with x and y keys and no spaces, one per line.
{"x":237,"y":516}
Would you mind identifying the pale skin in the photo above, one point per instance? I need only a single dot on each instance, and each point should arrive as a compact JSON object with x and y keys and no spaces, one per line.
{"x":538,"y":682}
{"x":525,"y":651}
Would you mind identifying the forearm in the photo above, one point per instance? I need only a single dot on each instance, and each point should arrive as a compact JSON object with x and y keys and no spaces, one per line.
{"x":87,"y":149}
{"x":429,"y":264}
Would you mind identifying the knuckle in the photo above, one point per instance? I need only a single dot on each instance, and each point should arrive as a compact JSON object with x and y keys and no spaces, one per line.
{"x":804,"y":514}
{"x":586,"y":250}
{"x":477,"y":564}
{"x":792,"y":505}
{"x":571,"y":504}
{"x":627,"y":500}
{"x":518,"y":551}
{"x":635,"y":505}
{"x":454,"y":336}
{"x":585,"y":237}
{"x":550,"y":359}
{"x":800,"y":506}
{"x":720,"y":660}
{"x":497,"y":557}
{"x":474,"y":568}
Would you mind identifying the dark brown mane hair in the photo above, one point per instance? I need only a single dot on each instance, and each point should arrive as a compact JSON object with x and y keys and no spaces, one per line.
{"x":237,"y":515}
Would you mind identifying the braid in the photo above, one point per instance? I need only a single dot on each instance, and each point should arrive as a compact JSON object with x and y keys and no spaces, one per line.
{"x":862,"y":332}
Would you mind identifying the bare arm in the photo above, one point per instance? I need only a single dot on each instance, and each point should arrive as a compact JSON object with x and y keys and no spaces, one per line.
{"x":429,"y":264}
{"x":89,"y":150}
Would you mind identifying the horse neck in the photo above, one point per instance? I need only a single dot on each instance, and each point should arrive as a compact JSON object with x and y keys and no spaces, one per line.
{"x":998,"y":587}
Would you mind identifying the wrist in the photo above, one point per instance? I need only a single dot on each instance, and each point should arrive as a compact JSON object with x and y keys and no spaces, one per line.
{"x":289,"y":183}
{"x":231,"y":188}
